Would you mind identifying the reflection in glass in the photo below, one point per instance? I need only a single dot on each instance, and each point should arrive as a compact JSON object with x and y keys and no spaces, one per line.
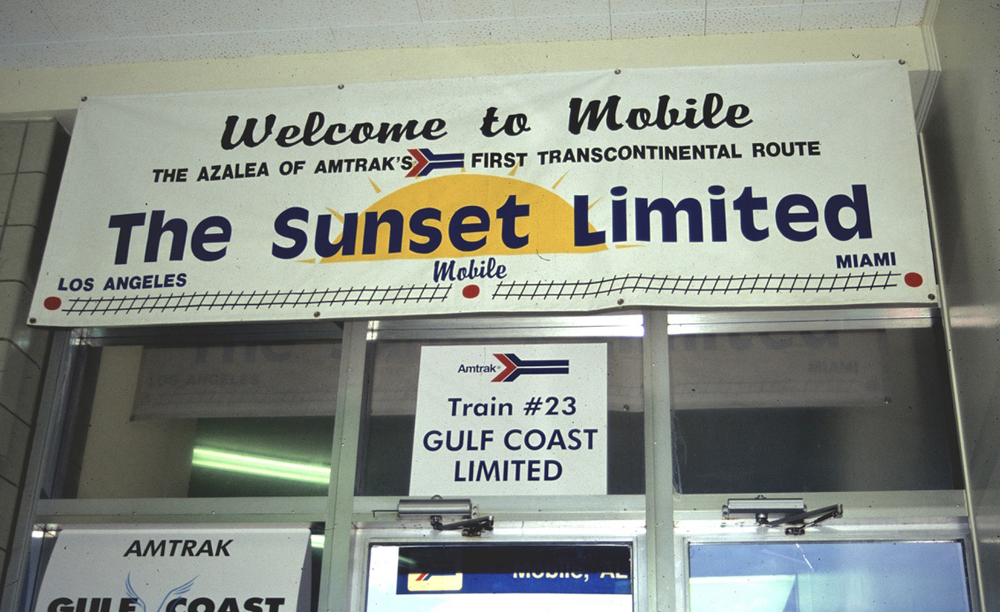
{"x":203,"y":421}
{"x":865,"y":410}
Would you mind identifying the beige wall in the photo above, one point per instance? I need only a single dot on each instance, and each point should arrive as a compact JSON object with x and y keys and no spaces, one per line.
{"x":963,"y":148}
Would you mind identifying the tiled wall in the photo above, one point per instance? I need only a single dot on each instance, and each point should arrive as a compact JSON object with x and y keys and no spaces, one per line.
{"x":31,"y":158}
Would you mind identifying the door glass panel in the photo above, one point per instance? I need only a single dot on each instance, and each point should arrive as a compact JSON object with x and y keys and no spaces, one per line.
{"x":488,"y":578}
{"x":821,"y":576}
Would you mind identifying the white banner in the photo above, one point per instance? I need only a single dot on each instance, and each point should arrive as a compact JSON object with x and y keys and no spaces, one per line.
{"x":178,"y":570}
{"x":511,"y":420}
{"x":743,"y":186}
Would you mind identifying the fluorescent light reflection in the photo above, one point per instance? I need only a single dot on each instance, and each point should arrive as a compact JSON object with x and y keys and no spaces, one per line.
{"x":260,"y":466}
{"x":48,"y":530}
{"x":317,"y":540}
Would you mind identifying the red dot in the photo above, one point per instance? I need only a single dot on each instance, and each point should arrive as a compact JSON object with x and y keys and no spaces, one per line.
{"x":52,"y":303}
{"x":470,"y":291}
{"x":913,"y":279}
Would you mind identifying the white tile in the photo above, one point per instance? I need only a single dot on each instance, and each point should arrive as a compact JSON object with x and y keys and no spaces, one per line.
{"x":24,"y":21}
{"x":754,"y":19}
{"x":648,"y":25}
{"x":38,"y":143}
{"x":91,"y":19}
{"x":845,"y":15}
{"x":6,"y":190}
{"x":347,"y":13}
{"x":15,"y":300}
{"x":461,"y":10}
{"x":20,"y":382}
{"x":464,"y":33}
{"x":911,"y":12}
{"x":13,"y":446}
{"x":388,"y":36}
{"x":739,"y":4}
{"x":580,"y":27}
{"x":20,"y":252}
{"x":11,"y":142}
{"x":179,"y":17}
{"x":26,"y":203}
{"x":655,"y":6}
{"x":245,"y":44}
{"x":563,"y":8}
{"x":8,"y":509}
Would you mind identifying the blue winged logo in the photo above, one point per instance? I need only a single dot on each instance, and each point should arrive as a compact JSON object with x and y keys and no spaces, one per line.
{"x":171,"y":597}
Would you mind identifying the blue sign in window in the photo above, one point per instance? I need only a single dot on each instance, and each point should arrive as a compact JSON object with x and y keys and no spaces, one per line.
{"x":514,"y":569}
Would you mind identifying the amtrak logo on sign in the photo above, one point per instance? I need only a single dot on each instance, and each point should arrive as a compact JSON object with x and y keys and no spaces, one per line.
{"x":515,"y":367}
{"x":433,"y":582}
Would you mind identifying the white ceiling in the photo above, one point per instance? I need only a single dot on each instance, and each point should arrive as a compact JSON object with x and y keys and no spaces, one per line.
{"x":42,"y":33}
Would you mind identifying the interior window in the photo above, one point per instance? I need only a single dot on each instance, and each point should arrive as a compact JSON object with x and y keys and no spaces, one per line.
{"x":252,"y":419}
{"x":862,"y":410}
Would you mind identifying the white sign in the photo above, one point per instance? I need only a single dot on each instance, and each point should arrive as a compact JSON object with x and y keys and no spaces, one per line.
{"x":177,"y":570}
{"x":511,"y":420}
{"x":741,"y":186}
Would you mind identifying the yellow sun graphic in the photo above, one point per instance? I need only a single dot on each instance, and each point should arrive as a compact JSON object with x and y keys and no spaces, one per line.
{"x":440,"y":217}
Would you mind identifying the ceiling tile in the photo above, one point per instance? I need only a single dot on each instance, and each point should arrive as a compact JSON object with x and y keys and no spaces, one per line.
{"x":655,"y":6}
{"x":737,"y":4}
{"x":751,"y":19}
{"x":560,"y":8}
{"x":148,"y":30}
{"x":459,"y":10}
{"x":911,"y":12}
{"x":835,"y":15}
{"x":347,"y":13}
{"x":177,"y":17}
{"x":24,"y":21}
{"x":570,"y":27}
{"x":80,"y":53}
{"x":663,"y":23}
{"x":478,"y":32}
{"x":90,"y":19}
{"x":387,"y":36}
{"x":245,"y":44}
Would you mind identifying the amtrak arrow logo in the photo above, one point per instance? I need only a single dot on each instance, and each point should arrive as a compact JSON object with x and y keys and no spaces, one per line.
{"x":514,"y":367}
{"x":428,"y":162}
